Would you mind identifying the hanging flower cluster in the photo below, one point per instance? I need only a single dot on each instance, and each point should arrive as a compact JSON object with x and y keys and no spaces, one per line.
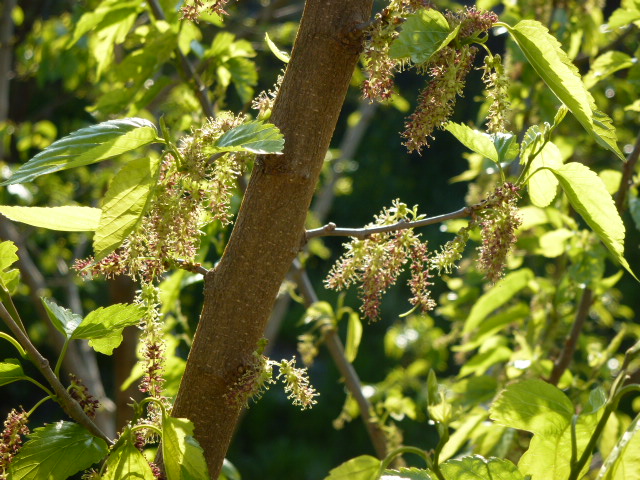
{"x":193,"y":189}
{"x":448,"y":67}
{"x":497,"y":84}
{"x":498,"y":222}
{"x":379,"y":66}
{"x":448,"y":70}
{"x":15,"y":427}
{"x":376,"y":262}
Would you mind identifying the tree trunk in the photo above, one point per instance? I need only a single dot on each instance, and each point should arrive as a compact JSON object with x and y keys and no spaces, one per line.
{"x":240,"y":291}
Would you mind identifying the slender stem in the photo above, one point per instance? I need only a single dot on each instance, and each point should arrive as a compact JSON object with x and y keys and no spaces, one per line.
{"x":39,"y":385}
{"x":400,"y":451}
{"x":33,"y":409}
{"x":627,"y":175}
{"x":186,"y":68}
{"x":147,"y":426}
{"x":15,"y":343}
{"x":68,"y":404}
{"x":330,"y":229}
{"x":63,"y":352}
{"x":336,"y":350}
{"x":562,"y":363}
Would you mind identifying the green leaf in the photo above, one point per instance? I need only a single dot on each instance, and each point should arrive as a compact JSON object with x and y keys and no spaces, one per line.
{"x":63,"y":319}
{"x":475,"y":467}
{"x":552,"y":64}
{"x":589,"y":197}
{"x":549,"y":456}
{"x":9,"y":278}
{"x":543,"y":185}
{"x":605,"y":65}
{"x":354,"y":335}
{"x":124,"y":204}
{"x":533,"y":405}
{"x":229,"y":471}
{"x":244,"y":76}
{"x":423,"y":33}
{"x":57,"y":451}
{"x":127,"y":463}
{"x":480,"y":363}
{"x":103,"y":327}
{"x":474,"y":140}
{"x":506,"y":145}
{"x":183,"y":456}
{"x":11,"y":371}
{"x":622,"y":17}
{"x":86,"y":146}
{"x":64,"y":219}
{"x":364,"y":467}
{"x":254,"y":136}
{"x":407,"y":474}
{"x":280,"y":54}
{"x":544,"y":410}
{"x":622,"y":463}
{"x":107,"y":13}
{"x":500,"y":293}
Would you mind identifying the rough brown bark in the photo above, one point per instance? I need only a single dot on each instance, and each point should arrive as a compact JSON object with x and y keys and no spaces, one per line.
{"x":240,"y":291}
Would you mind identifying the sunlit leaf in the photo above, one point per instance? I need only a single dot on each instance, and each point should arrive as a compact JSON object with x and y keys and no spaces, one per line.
{"x":589,"y":197}
{"x":103,"y":326}
{"x":422,"y":34}
{"x":124,"y":204}
{"x":280,"y":54}
{"x":543,"y":185}
{"x":183,"y":456}
{"x":548,"y":59}
{"x":475,"y":467}
{"x":500,"y":293}
{"x":57,"y":451}
{"x":255,"y":136}
{"x":65,"y":219}
{"x":10,"y":371}
{"x":354,"y":335}
{"x":622,"y":463}
{"x":62,"y":318}
{"x":474,"y":140}
{"x":86,"y":146}
{"x":9,"y":277}
{"x":364,"y":467}
{"x":605,"y":65}
{"x":127,"y":463}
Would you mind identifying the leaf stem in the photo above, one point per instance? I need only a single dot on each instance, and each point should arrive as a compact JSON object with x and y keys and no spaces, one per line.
{"x":68,"y":404}
{"x":147,"y":426}
{"x":63,"y":352}
{"x":15,"y":343}
{"x":33,"y":409}
{"x":399,"y":451}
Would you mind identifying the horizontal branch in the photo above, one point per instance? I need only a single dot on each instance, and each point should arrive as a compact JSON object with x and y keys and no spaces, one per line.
{"x":330,"y":229}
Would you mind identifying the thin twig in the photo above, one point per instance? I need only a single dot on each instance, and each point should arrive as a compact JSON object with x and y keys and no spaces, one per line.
{"x":563,"y":361}
{"x":336,"y":349}
{"x":185,"y":66}
{"x":330,"y":229}
{"x":68,"y":404}
{"x":192,"y":267}
{"x":627,"y":175}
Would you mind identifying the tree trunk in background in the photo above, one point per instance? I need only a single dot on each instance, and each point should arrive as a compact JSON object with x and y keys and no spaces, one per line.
{"x":240,"y":291}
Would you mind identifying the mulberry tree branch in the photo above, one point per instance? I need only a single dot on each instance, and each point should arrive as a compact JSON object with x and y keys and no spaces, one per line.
{"x":69,"y":405}
{"x":336,"y":349}
{"x":330,"y":229}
